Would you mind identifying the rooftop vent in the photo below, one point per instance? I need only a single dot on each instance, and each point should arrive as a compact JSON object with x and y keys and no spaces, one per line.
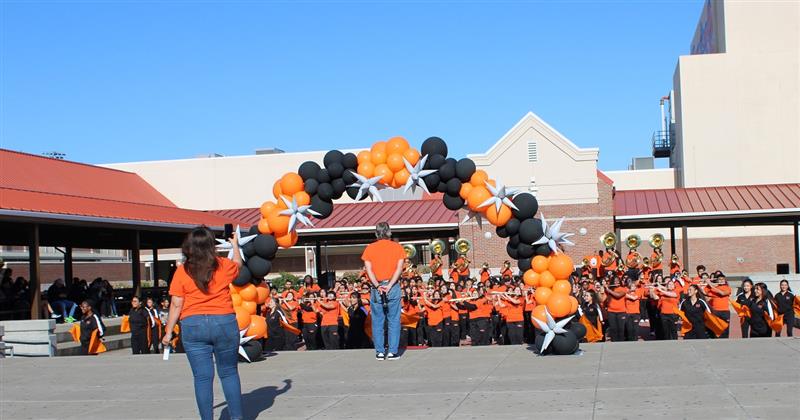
{"x":269,"y":151}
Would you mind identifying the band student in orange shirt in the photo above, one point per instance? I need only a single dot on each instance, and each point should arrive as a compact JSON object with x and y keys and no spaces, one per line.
{"x":506,"y":272}
{"x":718,"y":293}
{"x":436,"y":266}
{"x":485,"y":273}
{"x":329,"y":308}
{"x":617,"y":313}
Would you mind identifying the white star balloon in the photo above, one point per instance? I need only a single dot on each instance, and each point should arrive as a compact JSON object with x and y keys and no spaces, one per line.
{"x":367,"y":186}
{"x":500,"y":195}
{"x":224,"y":245}
{"x":242,"y":341}
{"x":296,"y":213}
{"x":478,"y":216}
{"x":553,"y":236}
{"x":416,"y":174}
{"x":550,"y":329}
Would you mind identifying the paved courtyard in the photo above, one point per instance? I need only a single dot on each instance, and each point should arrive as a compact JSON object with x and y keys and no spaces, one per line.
{"x":708,"y":379}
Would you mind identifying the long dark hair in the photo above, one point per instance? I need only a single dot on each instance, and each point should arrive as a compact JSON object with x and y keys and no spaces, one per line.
{"x":201,"y":257}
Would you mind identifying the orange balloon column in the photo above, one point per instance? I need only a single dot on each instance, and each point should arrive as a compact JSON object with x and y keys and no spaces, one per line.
{"x":248,"y":293}
{"x":263,"y":294}
{"x":242,"y":317}
{"x":257,"y":327}
{"x":546,"y":279}
{"x":236,"y":299}
{"x":561,"y":266}
{"x":539,"y":264}
{"x":531,"y":278}
{"x":573,"y":305}
{"x":558,"y":305}
{"x":249,"y":306}
{"x":538,"y":313}
{"x":562,"y":287}
{"x":542,"y":295}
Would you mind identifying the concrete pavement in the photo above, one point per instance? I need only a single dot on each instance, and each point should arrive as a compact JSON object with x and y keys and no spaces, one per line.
{"x":708,"y":379}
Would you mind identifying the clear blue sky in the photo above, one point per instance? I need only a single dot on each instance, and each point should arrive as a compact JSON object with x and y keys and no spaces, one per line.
{"x":112,"y":81}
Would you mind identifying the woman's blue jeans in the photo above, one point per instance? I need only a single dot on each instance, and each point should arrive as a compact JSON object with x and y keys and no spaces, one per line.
{"x":217,"y":335}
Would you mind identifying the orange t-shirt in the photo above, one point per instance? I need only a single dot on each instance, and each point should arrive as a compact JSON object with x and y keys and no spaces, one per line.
{"x":446,"y":309}
{"x":667,"y":305}
{"x":617,"y":305}
{"x":435,"y":315}
{"x":484,"y":276}
{"x":507,"y":273}
{"x":632,"y":306}
{"x":717,"y":302}
{"x":514,"y":311}
{"x":484,"y":308}
{"x":310,"y":317}
{"x":330,"y":317}
{"x":384,"y":255}
{"x":290,"y":309}
{"x":218,"y":299}
{"x":303,"y":290}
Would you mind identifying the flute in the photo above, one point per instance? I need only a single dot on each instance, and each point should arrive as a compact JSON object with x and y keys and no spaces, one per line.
{"x":505,"y":293}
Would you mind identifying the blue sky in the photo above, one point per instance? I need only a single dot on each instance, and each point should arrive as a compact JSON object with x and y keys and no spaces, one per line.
{"x":110,"y":81}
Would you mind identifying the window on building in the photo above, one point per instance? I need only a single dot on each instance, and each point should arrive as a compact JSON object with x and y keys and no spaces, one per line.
{"x":533,"y":153}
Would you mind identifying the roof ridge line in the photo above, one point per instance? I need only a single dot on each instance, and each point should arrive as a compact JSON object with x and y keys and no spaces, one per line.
{"x":98,"y":198}
{"x":66,"y":161}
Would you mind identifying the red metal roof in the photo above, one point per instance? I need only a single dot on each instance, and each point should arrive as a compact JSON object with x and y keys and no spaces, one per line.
{"x":709,"y":200}
{"x":367,"y":215}
{"x":30,"y":183}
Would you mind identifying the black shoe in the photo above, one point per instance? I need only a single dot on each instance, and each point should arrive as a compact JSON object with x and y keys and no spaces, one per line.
{"x":380,"y":356}
{"x":392,"y":356}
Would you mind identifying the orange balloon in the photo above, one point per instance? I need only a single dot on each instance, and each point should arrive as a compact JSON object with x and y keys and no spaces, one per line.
{"x":363,"y":156}
{"x":385,"y":172}
{"x":266,"y":207}
{"x":498,"y":218}
{"x":234,"y":289}
{"x":242,"y":317}
{"x":236,"y":299}
{"x":395,"y":162}
{"x":396,"y":145}
{"x":412,"y":156}
{"x":558,"y":305}
{"x":538,"y":313}
{"x":291,"y":183}
{"x":465,"y":189}
{"x":302,"y":198}
{"x":562,"y":287}
{"x":542,"y":294}
{"x":546,"y":279}
{"x":476,"y":197}
{"x":249,"y":306}
{"x":478,"y":178}
{"x":378,"y":146}
{"x":492,"y":182}
{"x":378,"y":156}
{"x":278,"y":223}
{"x":276,"y":189}
{"x":561,"y":266}
{"x":573,"y":304}
{"x":248,"y":293}
{"x":257,"y":327}
{"x":263,"y":294}
{"x":539,"y":264}
{"x":531,"y":278}
{"x":263,"y":226}
{"x":400,"y":177}
{"x":287,"y":241}
{"x":282,"y":204}
{"x":366,"y":169}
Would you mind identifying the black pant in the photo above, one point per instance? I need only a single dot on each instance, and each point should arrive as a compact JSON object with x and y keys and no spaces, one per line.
{"x":446,"y":332}
{"x":669,"y":327}
{"x":527,"y":327}
{"x":480,"y":331}
{"x":653,"y":317}
{"x":139,"y":342}
{"x":84,"y":348}
{"x":462,"y":326}
{"x":698,"y":331}
{"x":726,"y":315}
{"x":155,"y":340}
{"x":631,"y":327}
{"x":788,"y":320}
{"x":455,"y":333}
{"x":616,"y":325}
{"x":515,"y":332}
{"x":745,"y":322}
{"x":330,"y":337}
{"x":291,"y":340}
{"x":436,"y":333}
{"x":421,"y":331}
{"x":310,"y":336}
{"x":408,"y":336}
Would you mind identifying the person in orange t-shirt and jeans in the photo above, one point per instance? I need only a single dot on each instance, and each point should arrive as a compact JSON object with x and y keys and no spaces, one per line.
{"x":383,"y":260}
{"x":201,"y":299}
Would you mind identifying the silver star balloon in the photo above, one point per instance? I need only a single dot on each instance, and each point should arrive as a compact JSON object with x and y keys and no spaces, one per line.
{"x":553,"y":236}
{"x":367,"y":186}
{"x":478,"y":216}
{"x":550,"y":329}
{"x":296,"y":213}
{"x":500,"y":195}
{"x":416,"y":174}
{"x":242,"y":341}
{"x":224,"y":245}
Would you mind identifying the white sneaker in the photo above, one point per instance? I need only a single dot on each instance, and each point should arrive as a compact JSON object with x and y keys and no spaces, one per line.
{"x":380,"y":356}
{"x":392,"y":356}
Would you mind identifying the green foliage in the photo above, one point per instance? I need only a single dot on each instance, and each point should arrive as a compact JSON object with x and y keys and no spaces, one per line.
{"x":350,"y":276}
{"x":282,"y":278}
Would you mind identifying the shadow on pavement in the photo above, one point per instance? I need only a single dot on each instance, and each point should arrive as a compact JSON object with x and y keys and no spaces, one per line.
{"x":258,"y":400}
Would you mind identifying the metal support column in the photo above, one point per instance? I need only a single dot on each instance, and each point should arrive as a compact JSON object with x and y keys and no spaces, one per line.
{"x":68,"y":273}
{"x":317,"y":259}
{"x":34,"y":283}
{"x":136,"y":266}
{"x":671,"y":241}
{"x":685,"y":246}
{"x":796,"y":227}
{"x":154,"y":267}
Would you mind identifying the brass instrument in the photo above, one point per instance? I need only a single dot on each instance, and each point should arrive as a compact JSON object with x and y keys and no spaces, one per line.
{"x":463,"y":245}
{"x":410,"y":250}
{"x":675,"y":259}
{"x":585,"y":262}
{"x":656,"y":240}
{"x":633,"y":241}
{"x":437,"y":246}
{"x":646,"y":263}
{"x":608,"y":240}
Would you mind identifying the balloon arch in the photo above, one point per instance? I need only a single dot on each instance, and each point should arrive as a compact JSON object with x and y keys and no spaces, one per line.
{"x":311,"y":191}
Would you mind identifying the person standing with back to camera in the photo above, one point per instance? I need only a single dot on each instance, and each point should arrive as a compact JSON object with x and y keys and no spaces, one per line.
{"x":201,"y":299}
{"x":383,"y":260}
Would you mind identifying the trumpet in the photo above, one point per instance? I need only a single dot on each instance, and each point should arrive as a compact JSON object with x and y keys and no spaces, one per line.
{"x":675,"y":259}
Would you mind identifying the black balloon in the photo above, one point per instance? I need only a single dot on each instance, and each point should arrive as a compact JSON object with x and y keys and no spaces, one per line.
{"x":524,"y":264}
{"x":464,"y":169}
{"x":566,"y":343}
{"x":350,"y":161}
{"x":352,"y":192}
{"x":578,"y":329}
{"x":432,"y":182}
{"x":310,"y":186}
{"x":323,"y":207}
{"x":253,"y":350}
{"x":453,"y":186}
{"x":308,"y":170}
{"x":513,"y":240}
{"x":258,"y":266}
{"x":265,"y":246}
{"x":452,"y":202}
{"x":253,"y":230}
{"x":325,"y":191}
{"x":331,"y":157}
{"x":434,"y":162}
{"x":323,"y":176}
{"x":338,"y":187}
{"x":335,"y":170}
{"x":511,"y":251}
{"x":442,"y":187}
{"x":543,"y":250}
{"x":527,"y":205}
{"x":448,"y":170}
{"x":243,"y":278}
{"x":348,"y":177}
{"x":524,"y":250}
{"x":538,"y":341}
{"x":530,"y":230}
{"x":512,"y":226}
{"x":249,"y":249}
{"x":501,"y":232}
{"x":434,"y":146}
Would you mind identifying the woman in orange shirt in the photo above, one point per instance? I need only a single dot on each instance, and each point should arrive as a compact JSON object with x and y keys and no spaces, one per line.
{"x":667,"y":303}
{"x":632,"y":309}
{"x":455,"y":329}
{"x":201,"y":299}
{"x":480,"y":309}
{"x":309,"y":310}
{"x":447,"y":326}
{"x":435,"y":318}
{"x":329,"y":308}
{"x":617,"y":314}
{"x":514,"y":304}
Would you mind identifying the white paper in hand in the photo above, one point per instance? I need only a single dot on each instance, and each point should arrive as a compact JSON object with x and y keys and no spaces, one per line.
{"x":166,"y":353}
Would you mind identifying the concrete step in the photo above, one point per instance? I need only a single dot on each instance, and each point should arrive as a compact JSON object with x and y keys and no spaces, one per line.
{"x":112,"y":342}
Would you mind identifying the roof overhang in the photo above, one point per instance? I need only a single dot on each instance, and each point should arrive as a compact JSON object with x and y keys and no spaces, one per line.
{"x":57,"y":218}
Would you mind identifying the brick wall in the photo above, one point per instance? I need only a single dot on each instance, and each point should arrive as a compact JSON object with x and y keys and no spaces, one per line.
{"x":759,"y":254}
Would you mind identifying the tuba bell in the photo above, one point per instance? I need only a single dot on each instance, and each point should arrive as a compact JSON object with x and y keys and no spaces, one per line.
{"x":463,"y":245}
{"x":675,"y":259}
{"x":608,"y":240}
{"x":656,"y":240}
{"x":633,"y":241}
{"x":437,"y":246}
{"x":410,"y":250}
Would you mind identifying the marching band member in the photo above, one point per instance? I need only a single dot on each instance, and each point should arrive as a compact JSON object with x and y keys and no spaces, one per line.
{"x":785,"y":302}
{"x":745,"y":298}
{"x":309,"y":311}
{"x":718,"y":293}
{"x":408,"y":333}
{"x":462,"y":267}
{"x":436,"y":266}
{"x":139,"y":321}
{"x":329,"y":308}
{"x":514,"y":304}
{"x":480,"y":310}
{"x":90,"y":325}
{"x":444,"y":291}
{"x":485,"y":273}
{"x":455,"y":330}
{"x":667,"y":300}
{"x":289,"y":309}
{"x":657,"y":261}
{"x":591,"y":316}
{"x":632,"y":309}
{"x":435,"y":318}
{"x":357,"y":313}
{"x":308,"y":286}
{"x":617,"y":313}
{"x":506,"y":272}
{"x":694,"y":308}
{"x":276,"y":335}
{"x":675,"y":265}
{"x":763,"y":310}
{"x":155,"y":324}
